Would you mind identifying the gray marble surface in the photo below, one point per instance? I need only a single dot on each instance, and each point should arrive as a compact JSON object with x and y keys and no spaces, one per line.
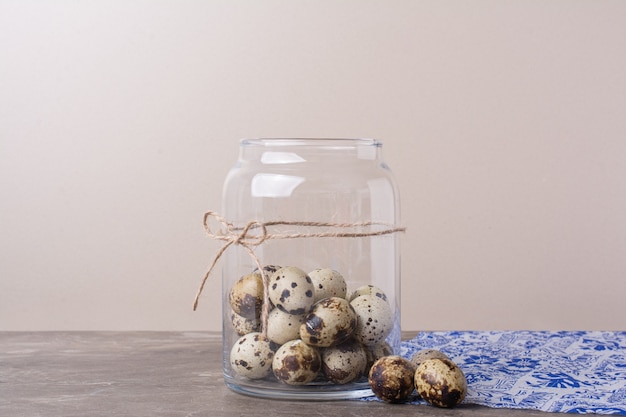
{"x":153,"y":374}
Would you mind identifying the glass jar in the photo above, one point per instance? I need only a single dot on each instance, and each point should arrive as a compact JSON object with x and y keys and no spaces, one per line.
{"x":323,"y":216}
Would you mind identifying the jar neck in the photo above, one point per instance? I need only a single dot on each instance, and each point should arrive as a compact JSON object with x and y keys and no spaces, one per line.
{"x":296,"y":150}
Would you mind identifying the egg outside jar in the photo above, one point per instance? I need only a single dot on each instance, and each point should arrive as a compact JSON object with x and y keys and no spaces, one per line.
{"x":440,"y":382}
{"x":437,"y":379}
{"x":317,"y":333}
{"x":391,"y":379}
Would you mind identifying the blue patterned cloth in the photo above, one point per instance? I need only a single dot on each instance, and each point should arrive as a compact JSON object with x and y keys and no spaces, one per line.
{"x":568,"y":372}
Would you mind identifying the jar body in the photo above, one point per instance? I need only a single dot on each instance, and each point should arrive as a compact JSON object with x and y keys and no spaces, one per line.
{"x":320,"y":193}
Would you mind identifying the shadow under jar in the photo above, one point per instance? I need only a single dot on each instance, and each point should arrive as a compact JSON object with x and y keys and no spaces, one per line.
{"x":328,"y":301}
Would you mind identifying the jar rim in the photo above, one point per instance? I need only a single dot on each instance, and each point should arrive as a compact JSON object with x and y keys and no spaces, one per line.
{"x":317,"y":142}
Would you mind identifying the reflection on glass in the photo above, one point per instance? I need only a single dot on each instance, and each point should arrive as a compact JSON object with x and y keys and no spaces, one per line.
{"x":274,"y":185}
{"x":281,"y":158}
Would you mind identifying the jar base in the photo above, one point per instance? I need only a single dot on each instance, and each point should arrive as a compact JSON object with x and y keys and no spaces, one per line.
{"x":304,"y":392}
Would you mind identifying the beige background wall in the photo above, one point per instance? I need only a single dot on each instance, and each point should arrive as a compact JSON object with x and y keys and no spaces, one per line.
{"x":504,"y":122}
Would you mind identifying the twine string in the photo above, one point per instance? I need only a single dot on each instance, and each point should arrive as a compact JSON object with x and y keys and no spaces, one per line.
{"x":255,"y":233}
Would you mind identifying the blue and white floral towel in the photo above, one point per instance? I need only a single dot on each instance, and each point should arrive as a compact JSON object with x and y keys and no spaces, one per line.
{"x":569,"y":372}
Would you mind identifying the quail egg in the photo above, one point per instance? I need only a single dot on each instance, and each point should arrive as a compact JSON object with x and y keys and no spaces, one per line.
{"x":328,"y":283}
{"x":246,"y":295}
{"x":391,"y":379}
{"x":283,"y":327}
{"x":376,"y":352}
{"x":244,"y":325}
{"x":251,"y":356}
{"x":422,"y":355}
{"x":296,"y":363}
{"x":440,"y":382}
{"x":374,"y":319}
{"x":368,"y":290}
{"x":330,"y":322}
{"x":268,"y":269}
{"x":345,"y":362}
{"x":291,"y":290}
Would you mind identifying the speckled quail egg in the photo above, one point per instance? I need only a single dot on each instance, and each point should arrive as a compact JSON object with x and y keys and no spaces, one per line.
{"x":246,"y":295}
{"x":330,"y":322}
{"x":244,"y":325}
{"x":420,"y":356}
{"x":374,"y":319}
{"x":345,"y":362}
{"x":291,"y":290}
{"x":283,"y":327}
{"x":368,"y":290}
{"x":251,"y":356}
{"x":376,"y":352}
{"x":296,"y":363}
{"x":440,"y":382}
{"x":268,"y":269}
{"x":328,"y":283}
{"x":391,"y":379}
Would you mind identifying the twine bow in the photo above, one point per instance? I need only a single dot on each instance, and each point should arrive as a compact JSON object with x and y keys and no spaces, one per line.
{"x":248,"y":239}
{"x":231,"y":237}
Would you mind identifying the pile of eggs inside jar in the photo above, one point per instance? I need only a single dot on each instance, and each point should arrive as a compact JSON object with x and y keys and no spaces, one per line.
{"x":315,"y":331}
